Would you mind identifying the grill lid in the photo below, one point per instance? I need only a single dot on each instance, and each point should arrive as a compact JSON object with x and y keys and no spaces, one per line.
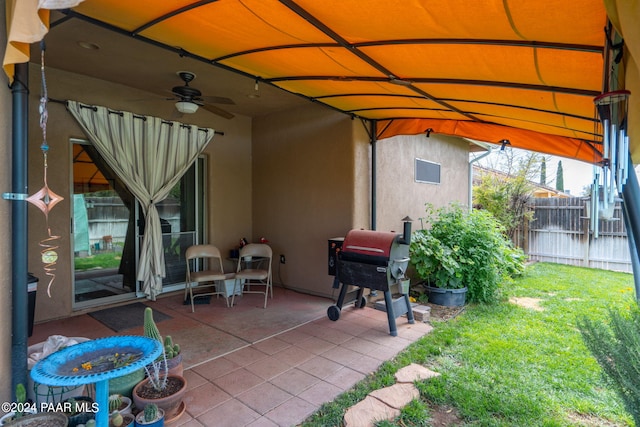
{"x":369,"y":242}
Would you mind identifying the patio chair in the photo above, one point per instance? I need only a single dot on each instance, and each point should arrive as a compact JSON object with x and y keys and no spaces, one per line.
{"x":256,"y":255}
{"x":213,"y":274}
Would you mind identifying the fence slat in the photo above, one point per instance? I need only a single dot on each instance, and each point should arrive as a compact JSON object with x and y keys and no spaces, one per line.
{"x":559,"y":232}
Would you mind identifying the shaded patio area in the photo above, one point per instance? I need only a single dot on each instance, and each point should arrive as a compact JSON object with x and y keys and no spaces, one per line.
{"x":249,"y":366}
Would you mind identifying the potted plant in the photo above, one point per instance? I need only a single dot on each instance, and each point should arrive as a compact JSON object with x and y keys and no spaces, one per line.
{"x":150,"y":416}
{"x":26,"y":416}
{"x":79,"y":410}
{"x":120,"y":404}
{"x":171,"y":349}
{"x":463,"y":256}
{"x":42,"y":419}
{"x":160,"y":388}
{"x":22,"y":406}
{"x":116,"y":419}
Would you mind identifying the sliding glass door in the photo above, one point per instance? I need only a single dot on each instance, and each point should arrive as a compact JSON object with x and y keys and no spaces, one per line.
{"x":108,"y":228}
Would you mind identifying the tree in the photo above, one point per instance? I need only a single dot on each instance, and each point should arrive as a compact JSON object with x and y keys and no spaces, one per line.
{"x":559,"y":177}
{"x":543,"y":172}
{"x":506,"y":194}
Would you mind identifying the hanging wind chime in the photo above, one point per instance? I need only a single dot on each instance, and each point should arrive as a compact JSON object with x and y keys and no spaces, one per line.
{"x":45,"y":199}
{"x":611,"y":175}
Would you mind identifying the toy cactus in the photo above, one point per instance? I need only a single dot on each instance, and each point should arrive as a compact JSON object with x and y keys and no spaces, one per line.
{"x":171,"y":349}
{"x":150,"y":412}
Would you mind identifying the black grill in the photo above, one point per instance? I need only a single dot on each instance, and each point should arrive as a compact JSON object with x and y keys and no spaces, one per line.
{"x":375,"y":260}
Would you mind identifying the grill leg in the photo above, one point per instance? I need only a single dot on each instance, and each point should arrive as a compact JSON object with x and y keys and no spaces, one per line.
{"x":409,"y":309}
{"x":360,"y":301}
{"x":393,"y":329}
{"x":343,"y":293}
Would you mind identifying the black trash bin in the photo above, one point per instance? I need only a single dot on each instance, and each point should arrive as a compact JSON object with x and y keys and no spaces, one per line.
{"x":32,"y":287}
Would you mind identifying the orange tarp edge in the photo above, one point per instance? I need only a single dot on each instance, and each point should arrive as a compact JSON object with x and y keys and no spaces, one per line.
{"x":26,"y":24}
{"x":518,"y":138}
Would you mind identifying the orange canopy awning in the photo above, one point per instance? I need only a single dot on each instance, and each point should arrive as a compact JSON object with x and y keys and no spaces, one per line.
{"x":490,"y":69}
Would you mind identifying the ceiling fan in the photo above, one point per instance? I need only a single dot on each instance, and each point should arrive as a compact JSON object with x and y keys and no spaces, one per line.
{"x":189,"y":98}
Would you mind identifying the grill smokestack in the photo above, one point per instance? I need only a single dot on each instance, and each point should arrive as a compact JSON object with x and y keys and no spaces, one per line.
{"x":405,"y":239}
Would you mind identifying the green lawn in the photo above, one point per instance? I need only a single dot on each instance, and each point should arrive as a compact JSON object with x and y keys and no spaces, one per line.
{"x":105,"y":260}
{"x":509,"y":365}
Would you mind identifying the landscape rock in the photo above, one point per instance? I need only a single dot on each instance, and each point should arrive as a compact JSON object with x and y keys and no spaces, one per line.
{"x":398,"y":395}
{"x":422,"y":313}
{"x":414,"y":372}
{"x":367,"y":412}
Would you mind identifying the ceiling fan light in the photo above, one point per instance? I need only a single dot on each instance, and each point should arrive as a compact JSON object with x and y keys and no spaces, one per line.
{"x":186,"y":107}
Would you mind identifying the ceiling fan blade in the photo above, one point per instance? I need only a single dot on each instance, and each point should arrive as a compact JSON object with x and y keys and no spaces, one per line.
{"x":218,"y":100}
{"x":218,"y":111}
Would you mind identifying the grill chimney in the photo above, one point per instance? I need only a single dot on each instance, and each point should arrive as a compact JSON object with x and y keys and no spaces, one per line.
{"x":405,"y":239}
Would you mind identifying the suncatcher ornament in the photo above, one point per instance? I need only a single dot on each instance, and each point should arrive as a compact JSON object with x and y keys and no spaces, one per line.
{"x":45,"y":199}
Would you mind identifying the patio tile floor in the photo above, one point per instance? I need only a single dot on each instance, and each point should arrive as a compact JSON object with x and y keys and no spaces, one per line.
{"x":249,"y":366}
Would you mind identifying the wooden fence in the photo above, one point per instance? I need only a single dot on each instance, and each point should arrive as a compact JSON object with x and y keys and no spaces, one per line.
{"x":559,"y":232}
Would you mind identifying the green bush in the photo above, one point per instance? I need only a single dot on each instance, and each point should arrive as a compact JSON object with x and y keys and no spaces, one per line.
{"x":616,"y":347}
{"x":463,"y":248}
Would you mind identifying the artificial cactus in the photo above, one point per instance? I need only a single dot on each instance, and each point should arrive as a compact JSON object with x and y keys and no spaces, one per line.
{"x":171,"y":349}
{"x":115,"y":402}
{"x":150,"y":412}
{"x":116,"y":419}
{"x":21,"y":397}
{"x":150,"y":328}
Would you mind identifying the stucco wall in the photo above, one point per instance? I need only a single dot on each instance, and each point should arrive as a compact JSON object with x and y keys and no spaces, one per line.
{"x":229,"y":178}
{"x":303,"y":192}
{"x":400,"y":195}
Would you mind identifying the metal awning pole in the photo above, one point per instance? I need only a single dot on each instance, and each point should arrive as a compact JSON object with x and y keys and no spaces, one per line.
{"x":19,"y":314}
{"x":631,"y":212}
{"x":374,"y":174}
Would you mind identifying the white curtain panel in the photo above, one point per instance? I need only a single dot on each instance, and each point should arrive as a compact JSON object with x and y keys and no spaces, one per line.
{"x":150,"y":155}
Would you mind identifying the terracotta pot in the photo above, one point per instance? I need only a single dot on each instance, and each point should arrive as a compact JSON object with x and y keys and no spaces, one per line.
{"x":43,"y":419}
{"x":170,"y":404}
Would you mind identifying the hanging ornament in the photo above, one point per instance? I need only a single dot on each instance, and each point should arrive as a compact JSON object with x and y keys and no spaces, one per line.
{"x":45,"y":199}
{"x":611,"y":175}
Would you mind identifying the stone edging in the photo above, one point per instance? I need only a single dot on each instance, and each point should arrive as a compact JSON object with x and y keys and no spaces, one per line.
{"x":386,"y":403}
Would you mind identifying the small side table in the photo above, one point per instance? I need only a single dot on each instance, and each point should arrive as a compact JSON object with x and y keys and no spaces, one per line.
{"x":69,"y":366}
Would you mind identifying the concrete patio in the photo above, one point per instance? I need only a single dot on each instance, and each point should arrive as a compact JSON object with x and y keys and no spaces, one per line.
{"x":249,"y":366}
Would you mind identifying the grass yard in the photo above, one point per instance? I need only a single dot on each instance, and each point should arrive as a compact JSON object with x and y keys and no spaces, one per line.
{"x":105,"y":260}
{"x":520,"y":362}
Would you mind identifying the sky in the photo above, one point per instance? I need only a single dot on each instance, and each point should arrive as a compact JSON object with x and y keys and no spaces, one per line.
{"x":577,"y":175}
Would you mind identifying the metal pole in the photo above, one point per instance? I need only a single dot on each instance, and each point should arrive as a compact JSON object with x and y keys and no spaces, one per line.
{"x":631,"y":204}
{"x":471,"y":162}
{"x":20,"y":310}
{"x":633,"y":251}
{"x":374,"y":173}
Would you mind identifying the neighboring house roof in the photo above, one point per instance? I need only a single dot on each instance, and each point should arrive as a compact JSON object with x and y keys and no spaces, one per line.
{"x":539,"y":191}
